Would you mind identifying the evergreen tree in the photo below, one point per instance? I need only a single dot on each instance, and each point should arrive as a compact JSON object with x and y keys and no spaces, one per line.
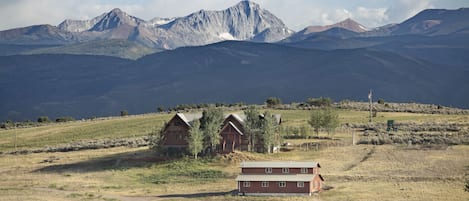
{"x":195,"y":139}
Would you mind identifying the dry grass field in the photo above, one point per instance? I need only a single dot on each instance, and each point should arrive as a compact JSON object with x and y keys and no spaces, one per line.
{"x":360,"y":172}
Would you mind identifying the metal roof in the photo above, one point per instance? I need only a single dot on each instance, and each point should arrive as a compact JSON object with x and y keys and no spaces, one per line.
{"x":279,"y":164}
{"x":234,"y":126}
{"x":275,"y":177}
{"x":187,"y":118}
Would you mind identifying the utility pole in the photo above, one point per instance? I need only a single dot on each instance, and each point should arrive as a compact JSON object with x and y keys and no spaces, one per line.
{"x":16,"y":137}
{"x":370,"y":94}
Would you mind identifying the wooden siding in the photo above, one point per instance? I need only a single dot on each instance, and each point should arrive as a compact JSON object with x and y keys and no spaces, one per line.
{"x":274,"y":187}
{"x":176,"y":133}
{"x":231,"y":139}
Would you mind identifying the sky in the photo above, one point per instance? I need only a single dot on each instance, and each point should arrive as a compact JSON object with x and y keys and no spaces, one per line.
{"x":296,"y":14}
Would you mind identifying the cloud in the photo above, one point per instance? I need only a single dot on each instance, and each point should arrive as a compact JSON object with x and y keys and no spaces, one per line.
{"x":296,"y":14}
{"x":373,"y":17}
{"x":401,"y":10}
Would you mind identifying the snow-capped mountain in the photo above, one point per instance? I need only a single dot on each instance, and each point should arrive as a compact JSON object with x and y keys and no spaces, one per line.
{"x":243,"y":21}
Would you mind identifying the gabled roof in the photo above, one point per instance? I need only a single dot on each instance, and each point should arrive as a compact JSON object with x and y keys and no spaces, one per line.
{"x":234,"y":126}
{"x":239,"y":117}
{"x":279,"y":164}
{"x":273,"y":177}
{"x":188,"y":118}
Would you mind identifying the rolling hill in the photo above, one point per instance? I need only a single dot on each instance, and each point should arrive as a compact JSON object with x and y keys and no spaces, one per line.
{"x":231,"y":71}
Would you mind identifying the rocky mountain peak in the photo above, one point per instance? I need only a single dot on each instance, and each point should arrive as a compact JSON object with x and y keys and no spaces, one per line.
{"x":114,"y":19}
{"x":350,"y":25}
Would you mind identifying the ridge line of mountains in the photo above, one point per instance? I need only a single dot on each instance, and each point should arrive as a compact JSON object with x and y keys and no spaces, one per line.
{"x":241,"y":54}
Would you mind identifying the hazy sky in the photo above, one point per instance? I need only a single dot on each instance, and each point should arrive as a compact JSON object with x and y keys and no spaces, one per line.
{"x":296,"y":14}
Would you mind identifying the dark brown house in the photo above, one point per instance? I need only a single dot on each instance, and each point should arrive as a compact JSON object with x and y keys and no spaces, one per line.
{"x":279,"y":178}
{"x":176,"y":131}
{"x":232,"y":133}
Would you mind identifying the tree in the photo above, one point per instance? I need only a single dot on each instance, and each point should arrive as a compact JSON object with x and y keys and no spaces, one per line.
{"x":381,"y":101}
{"x":273,"y":101}
{"x":124,"y":113}
{"x":156,"y":138}
{"x":160,"y":109}
{"x":268,"y":131}
{"x":251,"y":125}
{"x":331,"y":120}
{"x":319,"y":102}
{"x":196,"y":139}
{"x":210,"y":124}
{"x":43,"y":119}
{"x":326,"y":118}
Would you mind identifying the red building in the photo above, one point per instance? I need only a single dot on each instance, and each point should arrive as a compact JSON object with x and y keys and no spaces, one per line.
{"x":279,"y":178}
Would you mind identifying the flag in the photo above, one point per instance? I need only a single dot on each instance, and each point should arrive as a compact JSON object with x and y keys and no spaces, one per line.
{"x":369,"y":95}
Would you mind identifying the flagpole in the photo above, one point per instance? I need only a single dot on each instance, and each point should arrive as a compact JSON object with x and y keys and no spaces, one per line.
{"x":370,"y":97}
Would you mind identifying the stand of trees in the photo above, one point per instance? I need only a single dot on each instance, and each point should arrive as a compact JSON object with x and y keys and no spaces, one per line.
{"x":325,"y":118}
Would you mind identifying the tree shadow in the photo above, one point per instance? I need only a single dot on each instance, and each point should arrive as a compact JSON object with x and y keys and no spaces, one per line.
{"x":142,"y":158}
{"x":198,"y":195}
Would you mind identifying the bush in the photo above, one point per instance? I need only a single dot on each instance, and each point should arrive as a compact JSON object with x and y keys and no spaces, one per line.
{"x":273,"y":101}
{"x":64,"y":119}
{"x":381,"y":101}
{"x":43,"y":119}
{"x":124,"y":113}
{"x":319,"y":102}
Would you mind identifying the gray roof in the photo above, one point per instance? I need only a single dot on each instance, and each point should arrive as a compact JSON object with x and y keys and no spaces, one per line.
{"x":234,"y":126}
{"x":187,"y":118}
{"x":279,"y":164}
{"x":239,"y":117}
{"x":275,"y":177}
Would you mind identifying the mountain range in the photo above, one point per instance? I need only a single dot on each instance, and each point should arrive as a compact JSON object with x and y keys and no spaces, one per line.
{"x":243,"y":21}
{"x":243,"y":53}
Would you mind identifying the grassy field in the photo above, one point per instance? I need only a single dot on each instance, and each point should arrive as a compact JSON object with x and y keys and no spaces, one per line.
{"x":388,"y":173}
{"x":140,"y":125}
{"x":361,"y":172}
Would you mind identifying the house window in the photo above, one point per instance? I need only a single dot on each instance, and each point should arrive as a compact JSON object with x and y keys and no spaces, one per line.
{"x":304,"y":170}
{"x":265,"y":184}
{"x":285,"y":170}
{"x":268,"y":170}
{"x":300,"y":184}
{"x":282,"y":184}
{"x":246,"y":184}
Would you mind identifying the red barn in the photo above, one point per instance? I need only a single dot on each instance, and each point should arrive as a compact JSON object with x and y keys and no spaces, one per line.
{"x":279,"y":178}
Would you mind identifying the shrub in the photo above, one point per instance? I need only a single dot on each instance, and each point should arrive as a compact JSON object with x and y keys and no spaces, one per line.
{"x":319,"y":102}
{"x":380,"y":101}
{"x":124,"y":113}
{"x":64,"y":119}
{"x":273,"y":101}
{"x":43,"y":119}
